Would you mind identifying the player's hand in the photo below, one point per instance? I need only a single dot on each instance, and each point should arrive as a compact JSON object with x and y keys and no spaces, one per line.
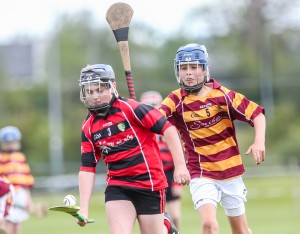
{"x":182,"y":175}
{"x":258,"y":151}
{"x":84,"y":222}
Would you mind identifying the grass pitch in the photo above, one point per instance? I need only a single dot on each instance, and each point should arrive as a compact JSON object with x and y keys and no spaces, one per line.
{"x":273,"y":207}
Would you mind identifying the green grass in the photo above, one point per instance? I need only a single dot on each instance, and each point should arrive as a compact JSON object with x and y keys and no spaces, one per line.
{"x":273,"y":207}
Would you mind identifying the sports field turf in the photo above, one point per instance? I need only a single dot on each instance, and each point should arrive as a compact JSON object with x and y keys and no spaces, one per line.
{"x":273,"y":207}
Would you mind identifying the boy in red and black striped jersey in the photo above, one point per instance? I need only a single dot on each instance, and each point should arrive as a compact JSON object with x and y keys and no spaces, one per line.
{"x":122,"y":132}
{"x":174,"y":190}
{"x":203,"y":111}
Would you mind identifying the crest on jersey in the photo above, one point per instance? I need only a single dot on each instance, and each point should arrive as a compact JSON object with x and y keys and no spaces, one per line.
{"x":121,"y":127}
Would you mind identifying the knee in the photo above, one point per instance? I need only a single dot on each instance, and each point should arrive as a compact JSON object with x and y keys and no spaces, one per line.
{"x":210,"y":226}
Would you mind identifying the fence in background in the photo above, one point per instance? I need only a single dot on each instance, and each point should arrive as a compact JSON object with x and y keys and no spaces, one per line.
{"x":69,"y":182}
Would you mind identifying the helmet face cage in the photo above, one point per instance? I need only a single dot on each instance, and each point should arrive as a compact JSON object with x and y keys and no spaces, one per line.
{"x":191,"y":54}
{"x":97,"y":91}
{"x":152,"y":98}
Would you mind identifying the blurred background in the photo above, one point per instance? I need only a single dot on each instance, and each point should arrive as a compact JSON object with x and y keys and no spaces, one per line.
{"x":253,"y":48}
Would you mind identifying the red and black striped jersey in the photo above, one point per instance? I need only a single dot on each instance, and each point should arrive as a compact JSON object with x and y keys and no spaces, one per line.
{"x":125,"y":139}
{"x":165,"y":153}
{"x":207,"y":130}
{"x":14,"y":168}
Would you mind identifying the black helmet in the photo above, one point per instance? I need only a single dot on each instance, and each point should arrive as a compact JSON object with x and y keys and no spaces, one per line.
{"x":191,"y":54}
{"x":99,"y":74}
{"x":96,"y":72}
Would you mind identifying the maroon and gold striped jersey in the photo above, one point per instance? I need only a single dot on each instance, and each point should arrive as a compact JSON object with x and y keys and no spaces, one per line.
{"x":14,"y":167}
{"x":125,"y":139}
{"x":207,"y":130}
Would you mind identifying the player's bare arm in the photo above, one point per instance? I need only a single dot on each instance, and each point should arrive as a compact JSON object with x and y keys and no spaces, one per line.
{"x":258,"y":146}
{"x":86,"y":183}
{"x":181,"y":174}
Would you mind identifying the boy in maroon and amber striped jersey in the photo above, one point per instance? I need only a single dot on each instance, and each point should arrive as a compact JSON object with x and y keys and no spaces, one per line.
{"x":122,"y":132}
{"x":14,"y":168}
{"x":203,"y":111}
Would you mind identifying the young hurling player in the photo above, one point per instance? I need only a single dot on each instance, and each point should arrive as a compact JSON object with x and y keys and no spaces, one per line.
{"x":14,"y":168}
{"x":203,"y":111}
{"x":122,"y":132}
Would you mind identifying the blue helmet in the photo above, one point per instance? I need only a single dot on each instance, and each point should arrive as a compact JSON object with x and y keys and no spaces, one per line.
{"x":10,"y":133}
{"x":191,"y":54}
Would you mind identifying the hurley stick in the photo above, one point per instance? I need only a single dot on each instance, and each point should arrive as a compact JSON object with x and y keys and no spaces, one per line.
{"x":118,"y":17}
{"x":72,"y":210}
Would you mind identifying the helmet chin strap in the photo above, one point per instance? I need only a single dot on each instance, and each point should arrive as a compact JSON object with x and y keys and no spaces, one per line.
{"x":102,"y":111}
{"x":195,"y":88}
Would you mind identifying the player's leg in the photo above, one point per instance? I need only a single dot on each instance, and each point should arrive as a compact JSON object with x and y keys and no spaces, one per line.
{"x":121,"y":216}
{"x":158,"y":223}
{"x":150,"y":207}
{"x":12,"y":228}
{"x":174,"y":209}
{"x":239,"y":224}
{"x":173,"y":198}
{"x":120,"y":211}
{"x":208,"y":214}
{"x":206,"y":195}
{"x":233,"y":200}
{"x":152,"y":224}
{"x":17,"y":214}
{"x":169,"y":226}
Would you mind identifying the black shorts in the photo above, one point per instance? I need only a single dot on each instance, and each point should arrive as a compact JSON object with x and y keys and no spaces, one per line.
{"x":169,"y":194}
{"x":144,"y":201}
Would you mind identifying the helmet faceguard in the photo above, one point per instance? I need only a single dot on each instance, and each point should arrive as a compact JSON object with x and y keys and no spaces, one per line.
{"x":97,"y":90}
{"x":152,"y":98}
{"x":191,"y":54}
